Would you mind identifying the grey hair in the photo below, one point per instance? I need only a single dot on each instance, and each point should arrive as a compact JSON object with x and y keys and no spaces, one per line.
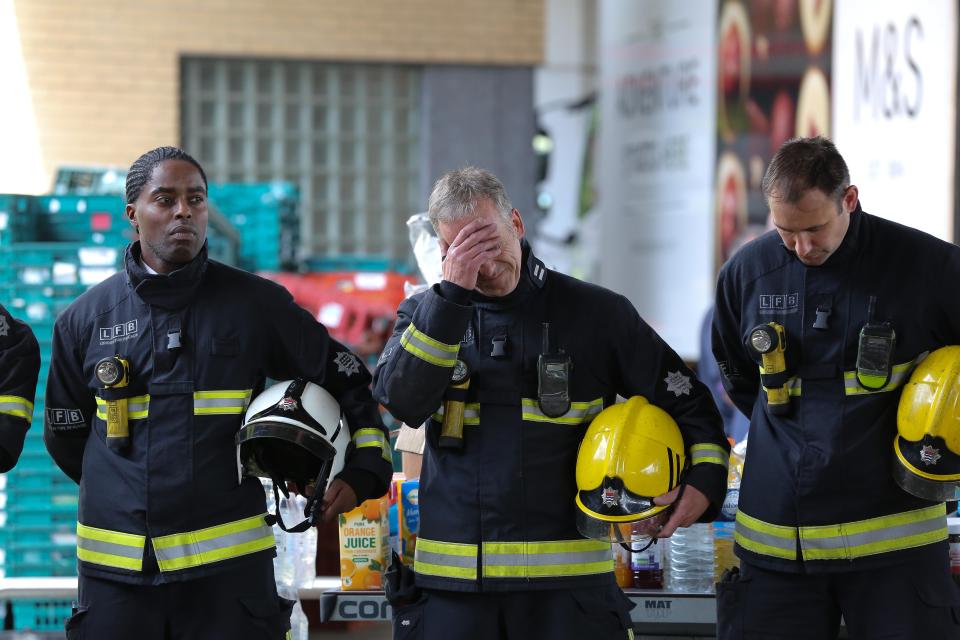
{"x":457,"y":193}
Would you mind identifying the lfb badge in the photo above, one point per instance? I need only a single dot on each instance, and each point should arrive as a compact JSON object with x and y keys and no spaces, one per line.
{"x":610,"y":496}
{"x":929,"y":455}
{"x":287,"y":404}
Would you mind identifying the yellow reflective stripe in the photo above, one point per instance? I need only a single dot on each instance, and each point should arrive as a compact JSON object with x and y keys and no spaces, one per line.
{"x":368,"y":437}
{"x":429,"y":349}
{"x":138,"y":407}
{"x":579,"y":412}
{"x":225,"y":402}
{"x":764,"y":538}
{"x":220,"y":542}
{"x":712,"y":453}
{"x":446,"y":559}
{"x":794,"y":387}
{"x":850,"y":540}
{"x":16,"y":406}
{"x":898,"y":375}
{"x":471,"y":413}
{"x":110,"y":548}
{"x":546,"y":559}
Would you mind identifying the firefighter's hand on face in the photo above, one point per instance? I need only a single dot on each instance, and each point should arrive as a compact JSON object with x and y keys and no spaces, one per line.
{"x":477,"y":243}
{"x":691,"y":506}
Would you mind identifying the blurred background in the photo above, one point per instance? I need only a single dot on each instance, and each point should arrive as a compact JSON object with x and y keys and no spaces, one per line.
{"x":631,"y":134}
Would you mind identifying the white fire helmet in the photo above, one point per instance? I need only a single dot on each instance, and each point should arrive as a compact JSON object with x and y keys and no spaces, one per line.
{"x":293,"y":432}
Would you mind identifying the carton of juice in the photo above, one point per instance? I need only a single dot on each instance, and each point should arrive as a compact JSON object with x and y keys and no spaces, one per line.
{"x":364,"y":545}
{"x":408,"y":518}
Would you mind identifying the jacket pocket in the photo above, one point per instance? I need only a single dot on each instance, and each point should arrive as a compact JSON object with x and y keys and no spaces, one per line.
{"x":269,"y":616}
{"x":408,"y":620}
{"x":74,"y":624}
{"x":608,"y":610}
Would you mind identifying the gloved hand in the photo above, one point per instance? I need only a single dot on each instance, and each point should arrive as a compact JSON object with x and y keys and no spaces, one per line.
{"x":398,"y":583}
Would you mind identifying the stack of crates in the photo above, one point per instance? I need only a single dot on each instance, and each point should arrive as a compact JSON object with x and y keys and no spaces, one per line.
{"x":267,"y":217}
{"x":38,"y":280}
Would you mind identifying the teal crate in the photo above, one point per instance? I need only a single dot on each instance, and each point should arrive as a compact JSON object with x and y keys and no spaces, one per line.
{"x":41,"y":615}
{"x":50,"y":480}
{"x":41,"y":513}
{"x":41,"y":560}
{"x":29,"y":538}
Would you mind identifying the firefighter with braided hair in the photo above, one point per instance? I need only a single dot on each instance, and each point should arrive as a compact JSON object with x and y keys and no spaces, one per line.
{"x":151,"y":373}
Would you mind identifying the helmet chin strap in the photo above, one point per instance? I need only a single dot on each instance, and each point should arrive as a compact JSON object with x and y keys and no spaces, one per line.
{"x":312,"y":509}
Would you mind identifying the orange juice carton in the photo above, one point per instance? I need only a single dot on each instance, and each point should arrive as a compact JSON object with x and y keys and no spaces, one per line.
{"x":408,"y":518}
{"x":364,"y":545}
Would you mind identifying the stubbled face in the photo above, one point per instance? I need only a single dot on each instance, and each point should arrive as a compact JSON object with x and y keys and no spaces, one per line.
{"x":499,"y":276}
{"x":170,"y":214}
{"x":813,"y":227}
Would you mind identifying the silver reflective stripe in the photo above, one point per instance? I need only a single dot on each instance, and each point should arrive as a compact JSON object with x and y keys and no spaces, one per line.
{"x":464,"y":562}
{"x":471,"y":413}
{"x":429,"y":349}
{"x":578,"y":413}
{"x":209,"y":403}
{"x":870,"y":537}
{"x":544,"y":559}
{"x":203,"y":547}
{"x":108,"y":548}
{"x":765,"y":539}
{"x":19,"y":408}
{"x":794,"y":386}
{"x":709,"y":453}
{"x":140,"y":407}
{"x":369,"y":439}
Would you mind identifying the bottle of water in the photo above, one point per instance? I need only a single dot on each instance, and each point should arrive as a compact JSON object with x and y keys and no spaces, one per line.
{"x":689,"y":558}
{"x":299,"y":625}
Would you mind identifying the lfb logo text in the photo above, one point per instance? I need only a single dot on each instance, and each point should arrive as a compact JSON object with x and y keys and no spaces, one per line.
{"x":122,"y":331}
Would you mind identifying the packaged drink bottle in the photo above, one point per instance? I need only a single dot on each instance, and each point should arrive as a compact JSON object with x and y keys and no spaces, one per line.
{"x":646,"y":565}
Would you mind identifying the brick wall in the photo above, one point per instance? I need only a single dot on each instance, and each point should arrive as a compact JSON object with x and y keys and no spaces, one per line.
{"x":104,"y":74}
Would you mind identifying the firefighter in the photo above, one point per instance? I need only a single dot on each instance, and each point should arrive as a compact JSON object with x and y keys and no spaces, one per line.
{"x":508,"y":362}
{"x":817,"y":327}
{"x":151,"y":373}
{"x":19,"y":369}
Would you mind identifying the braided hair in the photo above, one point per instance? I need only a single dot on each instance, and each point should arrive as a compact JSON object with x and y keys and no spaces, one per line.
{"x":142,"y":169}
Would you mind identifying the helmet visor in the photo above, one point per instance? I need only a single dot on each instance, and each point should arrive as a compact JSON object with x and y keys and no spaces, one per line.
{"x":612,"y":499}
{"x":632,"y":533}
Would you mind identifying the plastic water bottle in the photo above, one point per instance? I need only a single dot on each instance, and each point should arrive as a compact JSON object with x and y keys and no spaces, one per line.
{"x":299,"y":625}
{"x":689,"y":558}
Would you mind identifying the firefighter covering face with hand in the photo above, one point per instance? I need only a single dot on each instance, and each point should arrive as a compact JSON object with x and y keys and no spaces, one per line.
{"x":154,"y":369}
{"x":507,"y":363}
{"x":818,"y":326}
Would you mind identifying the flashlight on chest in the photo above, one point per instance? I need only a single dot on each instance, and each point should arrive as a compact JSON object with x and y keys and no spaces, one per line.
{"x":114,"y":373}
{"x":454,"y":406}
{"x":769,"y":342}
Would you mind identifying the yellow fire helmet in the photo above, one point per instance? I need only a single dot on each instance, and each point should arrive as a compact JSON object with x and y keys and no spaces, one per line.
{"x":631,"y":453}
{"x":927,"y":444}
